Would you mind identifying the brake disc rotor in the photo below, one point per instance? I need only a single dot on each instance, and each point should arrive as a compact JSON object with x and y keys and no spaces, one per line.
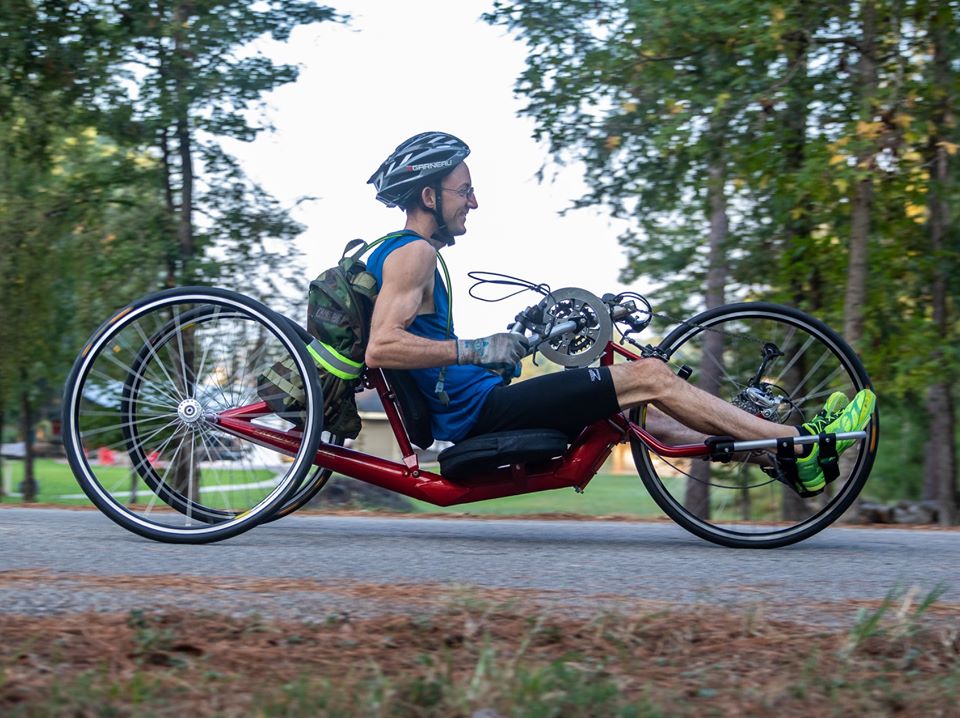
{"x":582,"y":347}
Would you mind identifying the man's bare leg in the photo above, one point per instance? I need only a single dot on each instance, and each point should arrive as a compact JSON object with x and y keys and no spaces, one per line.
{"x":669,"y":430}
{"x":650,"y":381}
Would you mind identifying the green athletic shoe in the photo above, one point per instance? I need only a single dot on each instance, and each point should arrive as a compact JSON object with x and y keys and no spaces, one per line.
{"x":837,"y":416}
{"x":837,"y":402}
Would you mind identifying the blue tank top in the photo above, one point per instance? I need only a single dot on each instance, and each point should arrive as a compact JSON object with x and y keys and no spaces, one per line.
{"x":467,"y":385}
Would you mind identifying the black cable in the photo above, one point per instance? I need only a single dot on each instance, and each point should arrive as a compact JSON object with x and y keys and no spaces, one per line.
{"x":481,"y":278}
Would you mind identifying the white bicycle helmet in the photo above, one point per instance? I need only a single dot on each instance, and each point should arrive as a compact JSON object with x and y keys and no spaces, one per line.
{"x":415,"y":164}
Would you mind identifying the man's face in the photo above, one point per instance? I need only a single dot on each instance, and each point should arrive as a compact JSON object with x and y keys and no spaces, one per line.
{"x":458,"y":199}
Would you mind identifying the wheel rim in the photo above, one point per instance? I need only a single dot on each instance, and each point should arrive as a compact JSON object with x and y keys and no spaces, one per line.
{"x":143,"y":438}
{"x":746,"y":506}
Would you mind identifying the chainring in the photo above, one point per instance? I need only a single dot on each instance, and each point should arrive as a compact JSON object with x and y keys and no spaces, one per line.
{"x":584,"y":346}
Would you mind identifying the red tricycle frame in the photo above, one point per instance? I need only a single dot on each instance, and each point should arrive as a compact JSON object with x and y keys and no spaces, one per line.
{"x":575,"y":468}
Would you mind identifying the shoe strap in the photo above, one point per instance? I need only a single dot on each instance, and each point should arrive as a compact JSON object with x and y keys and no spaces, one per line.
{"x":828,"y":457}
{"x":787,"y":461}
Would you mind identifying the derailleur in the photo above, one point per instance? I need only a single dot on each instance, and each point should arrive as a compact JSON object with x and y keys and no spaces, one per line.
{"x":765,"y":400}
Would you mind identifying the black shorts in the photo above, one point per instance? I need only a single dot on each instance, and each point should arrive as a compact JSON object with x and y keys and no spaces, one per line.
{"x":567,"y":400}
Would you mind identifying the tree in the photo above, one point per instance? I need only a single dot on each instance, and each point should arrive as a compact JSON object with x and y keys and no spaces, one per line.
{"x":196,"y":81}
{"x":105,"y":108}
{"x":940,"y":470}
{"x":45,"y":68}
{"x":656,"y":99}
{"x":795,"y":136}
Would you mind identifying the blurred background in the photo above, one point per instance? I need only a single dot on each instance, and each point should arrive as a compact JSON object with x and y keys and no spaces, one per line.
{"x":801,"y":152}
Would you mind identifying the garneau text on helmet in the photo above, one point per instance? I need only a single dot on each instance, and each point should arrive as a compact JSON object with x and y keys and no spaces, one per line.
{"x":428,"y":166}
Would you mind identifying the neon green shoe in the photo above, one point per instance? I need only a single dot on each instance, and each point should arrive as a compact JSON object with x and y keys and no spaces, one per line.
{"x":837,"y":402}
{"x":852,"y":416}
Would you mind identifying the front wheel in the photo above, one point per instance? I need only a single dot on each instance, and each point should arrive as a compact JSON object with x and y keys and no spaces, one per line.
{"x":738,"y":504}
{"x":140,"y":415}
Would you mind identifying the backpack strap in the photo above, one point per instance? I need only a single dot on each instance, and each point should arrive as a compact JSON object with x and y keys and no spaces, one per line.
{"x":441,"y":377}
{"x":365,"y":247}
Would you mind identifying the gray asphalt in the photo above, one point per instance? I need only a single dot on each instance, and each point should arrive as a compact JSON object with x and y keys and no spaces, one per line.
{"x":576,"y":563}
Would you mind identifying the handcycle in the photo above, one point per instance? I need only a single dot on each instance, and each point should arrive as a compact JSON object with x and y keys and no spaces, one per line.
{"x":173,"y":378}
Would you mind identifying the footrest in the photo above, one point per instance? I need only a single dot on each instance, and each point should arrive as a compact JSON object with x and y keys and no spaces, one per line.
{"x":787,"y":465}
{"x":828,"y":458}
{"x":786,"y":469}
{"x":721,"y":447}
{"x":490,"y":451}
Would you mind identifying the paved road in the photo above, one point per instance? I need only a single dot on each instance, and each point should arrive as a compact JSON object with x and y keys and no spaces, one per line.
{"x":57,"y":560}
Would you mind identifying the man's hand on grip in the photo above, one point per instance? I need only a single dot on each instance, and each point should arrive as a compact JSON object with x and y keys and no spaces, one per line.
{"x":500,"y":352}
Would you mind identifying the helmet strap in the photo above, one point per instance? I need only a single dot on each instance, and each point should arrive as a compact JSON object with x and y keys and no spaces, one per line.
{"x":442,"y":234}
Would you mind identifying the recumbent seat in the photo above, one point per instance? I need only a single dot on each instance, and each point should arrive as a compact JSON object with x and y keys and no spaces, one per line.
{"x":477,"y":454}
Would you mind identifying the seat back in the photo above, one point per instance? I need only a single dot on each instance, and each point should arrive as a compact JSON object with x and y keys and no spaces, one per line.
{"x":412,"y":405}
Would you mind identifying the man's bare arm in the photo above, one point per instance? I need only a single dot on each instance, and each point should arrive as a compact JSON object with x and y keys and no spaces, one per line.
{"x":407,"y":275}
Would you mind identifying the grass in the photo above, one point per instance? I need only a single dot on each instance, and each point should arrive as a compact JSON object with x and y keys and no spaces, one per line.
{"x":472,"y":656}
{"x":55,"y":479}
{"x":605,"y":495}
{"x":57,"y":484}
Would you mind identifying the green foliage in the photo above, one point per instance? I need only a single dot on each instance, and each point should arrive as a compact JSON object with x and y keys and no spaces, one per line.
{"x":186,"y":78}
{"x":899,"y":616}
{"x":898,"y":469}
{"x":806,"y":113}
{"x":112,"y":179}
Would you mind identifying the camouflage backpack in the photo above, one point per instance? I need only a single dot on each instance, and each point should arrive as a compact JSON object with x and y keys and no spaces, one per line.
{"x":338,"y":319}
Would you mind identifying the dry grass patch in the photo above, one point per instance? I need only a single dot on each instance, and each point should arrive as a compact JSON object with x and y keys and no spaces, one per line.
{"x":480,"y":657}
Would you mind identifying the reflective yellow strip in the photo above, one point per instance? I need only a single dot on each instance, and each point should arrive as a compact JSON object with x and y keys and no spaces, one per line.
{"x":333,"y":361}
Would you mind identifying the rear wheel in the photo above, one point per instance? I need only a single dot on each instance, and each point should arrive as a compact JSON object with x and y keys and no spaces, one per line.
{"x":140,"y":415}
{"x":737,"y":504}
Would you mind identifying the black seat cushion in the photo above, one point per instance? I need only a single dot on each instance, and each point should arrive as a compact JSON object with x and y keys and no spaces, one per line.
{"x":489,"y":451}
{"x":413,"y":407}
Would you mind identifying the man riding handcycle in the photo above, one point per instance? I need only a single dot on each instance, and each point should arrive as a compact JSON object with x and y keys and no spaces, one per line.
{"x":751,"y":459}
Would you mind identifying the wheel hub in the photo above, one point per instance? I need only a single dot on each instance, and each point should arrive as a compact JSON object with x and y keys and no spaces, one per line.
{"x":190,"y":411}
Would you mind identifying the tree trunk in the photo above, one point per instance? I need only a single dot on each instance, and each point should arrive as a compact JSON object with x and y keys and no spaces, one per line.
{"x":184,"y":143}
{"x":170,"y":204}
{"x":867,"y":84}
{"x":185,"y":226}
{"x":697,"y":499}
{"x":29,"y":485}
{"x":940,"y":467}
{"x":804,"y":286}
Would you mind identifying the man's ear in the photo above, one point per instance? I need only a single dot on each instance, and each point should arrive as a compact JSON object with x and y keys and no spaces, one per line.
{"x":428,"y":197}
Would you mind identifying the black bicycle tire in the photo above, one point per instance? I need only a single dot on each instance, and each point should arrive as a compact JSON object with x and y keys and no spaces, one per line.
{"x":279,"y":326}
{"x":836,"y":506}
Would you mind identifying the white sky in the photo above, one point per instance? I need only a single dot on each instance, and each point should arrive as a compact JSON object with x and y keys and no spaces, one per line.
{"x":405,"y":67}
